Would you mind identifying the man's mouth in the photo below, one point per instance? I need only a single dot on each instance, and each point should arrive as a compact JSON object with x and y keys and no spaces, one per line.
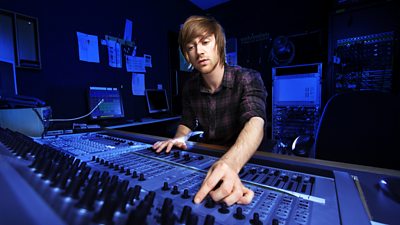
{"x":202,"y":61}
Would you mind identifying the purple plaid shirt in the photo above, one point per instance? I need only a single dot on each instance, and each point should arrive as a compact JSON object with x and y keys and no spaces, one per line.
{"x":223,"y":114}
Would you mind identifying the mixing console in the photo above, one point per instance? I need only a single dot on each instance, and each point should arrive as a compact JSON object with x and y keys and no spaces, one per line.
{"x":100,"y":178}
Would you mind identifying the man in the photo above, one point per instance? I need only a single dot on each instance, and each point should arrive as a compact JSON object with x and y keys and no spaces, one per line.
{"x":227,"y":102}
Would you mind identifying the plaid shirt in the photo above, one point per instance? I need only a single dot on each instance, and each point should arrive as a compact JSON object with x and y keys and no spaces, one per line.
{"x":223,"y":114}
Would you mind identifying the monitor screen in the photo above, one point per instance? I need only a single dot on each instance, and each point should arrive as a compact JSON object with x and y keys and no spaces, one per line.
{"x":112,"y":106}
{"x":157,"y":100}
{"x":296,"y":90}
{"x":8,"y":83}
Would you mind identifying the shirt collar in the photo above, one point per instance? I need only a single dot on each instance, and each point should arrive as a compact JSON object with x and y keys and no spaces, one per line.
{"x":229,"y":77}
{"x":227,"y":80}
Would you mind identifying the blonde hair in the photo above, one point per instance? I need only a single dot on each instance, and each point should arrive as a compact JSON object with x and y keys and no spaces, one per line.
{"x":198,"y":26}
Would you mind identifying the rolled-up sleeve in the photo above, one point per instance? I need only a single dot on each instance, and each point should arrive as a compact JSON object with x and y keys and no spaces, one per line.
{"x":253,"y":100}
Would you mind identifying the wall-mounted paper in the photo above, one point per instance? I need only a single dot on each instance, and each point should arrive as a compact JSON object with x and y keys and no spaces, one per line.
{"x":88,"y":47}
{"x":129,"y":63}
{"x":147,"y":60}
{"x":135,"y":64}
{"x":128,"y":30}
{"x":114,"y":54}
{"x":138,"y":84}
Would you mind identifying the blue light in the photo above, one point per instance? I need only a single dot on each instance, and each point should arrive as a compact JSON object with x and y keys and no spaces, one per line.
{"x":206,"y":4}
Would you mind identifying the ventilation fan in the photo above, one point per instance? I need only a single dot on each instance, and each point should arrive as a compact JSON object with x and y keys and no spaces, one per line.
{"x":282,"y":51}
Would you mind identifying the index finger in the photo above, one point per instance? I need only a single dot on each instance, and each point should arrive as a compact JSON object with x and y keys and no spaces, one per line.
{"x":208,"y":184}
{"x":248,"y":195}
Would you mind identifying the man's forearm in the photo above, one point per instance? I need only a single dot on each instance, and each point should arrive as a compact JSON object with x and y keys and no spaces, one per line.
{"x":246,"y":144}
{"x":182,"y":131}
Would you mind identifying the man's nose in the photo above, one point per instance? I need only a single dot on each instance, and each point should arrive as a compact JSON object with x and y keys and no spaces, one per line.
{"x":199,"y":50}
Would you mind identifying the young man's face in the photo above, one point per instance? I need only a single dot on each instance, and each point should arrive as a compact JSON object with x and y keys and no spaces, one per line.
{"x":202,"y":53}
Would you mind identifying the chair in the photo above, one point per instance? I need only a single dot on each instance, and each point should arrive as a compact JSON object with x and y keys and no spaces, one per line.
{"x":360,"y":127}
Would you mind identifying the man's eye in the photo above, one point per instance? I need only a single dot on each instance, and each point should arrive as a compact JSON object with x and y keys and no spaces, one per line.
{"x":190,"y":48}
{"x":205,"y":42}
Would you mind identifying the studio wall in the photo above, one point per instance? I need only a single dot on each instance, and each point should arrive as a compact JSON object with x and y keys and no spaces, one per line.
{"x":63,"y":80}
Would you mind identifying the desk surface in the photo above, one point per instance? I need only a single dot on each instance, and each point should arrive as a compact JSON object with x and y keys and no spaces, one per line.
{"x":143,"y":122}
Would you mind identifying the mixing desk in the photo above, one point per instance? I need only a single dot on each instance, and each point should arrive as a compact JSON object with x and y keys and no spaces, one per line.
{"x":112,"y":177}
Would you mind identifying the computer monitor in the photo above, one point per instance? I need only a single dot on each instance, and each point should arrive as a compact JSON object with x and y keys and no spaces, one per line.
{"x":296,"y":90}
{"x":157,"y":101}
{"x":112,"y":106}
{"x":8,"y":83}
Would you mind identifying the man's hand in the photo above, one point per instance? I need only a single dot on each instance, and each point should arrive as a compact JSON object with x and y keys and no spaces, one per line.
{"x":168,"y":144}
{"x":222,"y":183}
